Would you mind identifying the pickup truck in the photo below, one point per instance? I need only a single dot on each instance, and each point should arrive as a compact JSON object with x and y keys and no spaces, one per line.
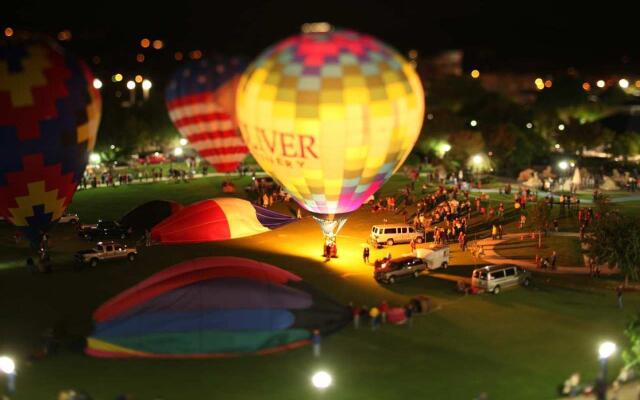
{"x":103,"y":229}
{"x":105,"y":251}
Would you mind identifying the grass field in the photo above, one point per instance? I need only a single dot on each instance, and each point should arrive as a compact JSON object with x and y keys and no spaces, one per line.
{"x":518,"y":345}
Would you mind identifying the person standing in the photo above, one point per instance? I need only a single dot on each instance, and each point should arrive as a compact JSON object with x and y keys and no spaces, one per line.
{"x":384,"y":308}
{"x":619,"y":294}
{"x":553,"y":260}
{"x":374,"y":313}
{"x":408,"y":313}
{"x":299,"y":213}
{"x":315,"y":340}
{"x":365,"y":255}
{"x":412,"y":245}
{"x":355,"y":312}
{"x":494,"y":232}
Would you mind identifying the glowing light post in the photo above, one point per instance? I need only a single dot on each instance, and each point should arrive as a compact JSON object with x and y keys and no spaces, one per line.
{"x":605,"y":351}
{"x":321,"y":380}
{"x":563,"y":165}
{"x":146,"y":87}
{"x":477,"y":161}
{"x":131,"y":85}
{"x":8,"y":367}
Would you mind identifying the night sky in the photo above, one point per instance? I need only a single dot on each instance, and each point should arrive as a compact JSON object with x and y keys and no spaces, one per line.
{"x":525,"y":36}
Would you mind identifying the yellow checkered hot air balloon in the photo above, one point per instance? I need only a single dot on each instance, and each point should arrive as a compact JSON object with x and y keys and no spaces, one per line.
{"x":331,"y":116}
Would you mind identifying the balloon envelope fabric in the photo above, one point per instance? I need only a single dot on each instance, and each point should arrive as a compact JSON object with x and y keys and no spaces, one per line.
{"x":201,"y":103}
{"x":213,"y":307}
{"x":331,"y":116}
{"x":49,"y":116}
{"x":217,"y":219}
{"x":149,"y":214}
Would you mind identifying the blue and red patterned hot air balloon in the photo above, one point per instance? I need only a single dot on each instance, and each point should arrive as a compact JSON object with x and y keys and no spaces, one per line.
{"x":49,"y":116}
{"x":213,"y":307}
{"x":201,"y":103}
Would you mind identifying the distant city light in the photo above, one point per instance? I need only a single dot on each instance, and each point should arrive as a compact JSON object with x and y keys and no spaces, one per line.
{"x":178,"y":151}
{"x":145,"y":43}
{"x":184,"y":142}
{"x":413,"y":54}
{"x":8,"y":31}
{"x":572,"y":164}
{"x":94,"y":158}
{"x":112,"y":147}
{"x":561,"y":127}
{"x":321,"y":380}
{"x":477,"y":159}
{"x":195,"y":55}
{"x":529,"y":125}
{"x":138,"y":78}
{"x":117,"y":77}
{"x":475,"y":74}
{"x":557,"y":146}
{"x":316,"y":27}
{"x":97,"y":83}
{"x":563,"y":165}
{"x":473,"y":123}
{"x":548,"y":83}
{"x":64,"y":35}
{"x":131,"y":85}
{"x":146,"y":84}
{"x":446,"y":147}
{"x":586,"y":86}
{"x":178,"y":55}
{"x":158,"y":44}
{"x":140,"y":57}
{"x":7,"y":365}
{"x":600,"y":83}
{"x":623,"y":83}
{"x":539,"y":83}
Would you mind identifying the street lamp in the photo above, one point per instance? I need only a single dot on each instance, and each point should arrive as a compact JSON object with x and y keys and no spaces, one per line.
{"x":605,"y":351}
{"x":178,"y":152}
{"x":563,"y":165}
{"x":146,"y":86}
{"x":184,"y":141}
{"x":473,"y":123}
{"x":8,"y":367}
{"x":97,"y":83}
{"x":321,"y":380}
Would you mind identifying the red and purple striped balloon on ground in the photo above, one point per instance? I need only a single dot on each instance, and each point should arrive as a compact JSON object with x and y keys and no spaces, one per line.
{"x":201,"y":102}
{"x":213,"y":307}
{"x":49,"y":117}
{"x":217,"y":219}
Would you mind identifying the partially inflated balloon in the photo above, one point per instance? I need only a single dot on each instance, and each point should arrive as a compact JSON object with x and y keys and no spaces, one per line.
{"x":201,"y":103}
{"x":331,"y":116}
{"x":49,"y":116}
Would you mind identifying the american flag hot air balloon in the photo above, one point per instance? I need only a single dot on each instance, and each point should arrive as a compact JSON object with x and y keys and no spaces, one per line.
{"x":201,"y":102}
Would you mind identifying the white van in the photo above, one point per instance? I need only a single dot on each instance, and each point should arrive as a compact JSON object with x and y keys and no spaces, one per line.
{"x":394,"y":233}
{"x":494,"y":278}
{"x":434,"y":256}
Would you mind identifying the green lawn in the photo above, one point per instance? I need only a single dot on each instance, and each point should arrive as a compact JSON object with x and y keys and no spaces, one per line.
{"x":567,"y":248}
{"x":518,"y":345}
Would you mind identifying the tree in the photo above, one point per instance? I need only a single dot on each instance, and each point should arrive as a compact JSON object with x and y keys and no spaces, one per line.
{"x":631,"y":354}
{"x":540,"y":217}
{"x":614,"y":240}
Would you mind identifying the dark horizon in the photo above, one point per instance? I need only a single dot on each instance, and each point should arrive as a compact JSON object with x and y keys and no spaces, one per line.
{"x":526,"y":37}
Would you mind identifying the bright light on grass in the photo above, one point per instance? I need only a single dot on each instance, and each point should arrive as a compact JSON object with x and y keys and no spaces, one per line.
{"x":321,"y":380}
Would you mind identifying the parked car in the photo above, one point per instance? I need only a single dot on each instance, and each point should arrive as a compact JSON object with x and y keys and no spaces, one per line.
{"x":389,"y":271}
{"x":103,"y":229}
{"x":434,"y":256}
{"x":105,"y":251}
{"x":69,"y":218}
{"x":494,"y":278}
{"x":391,"y":234}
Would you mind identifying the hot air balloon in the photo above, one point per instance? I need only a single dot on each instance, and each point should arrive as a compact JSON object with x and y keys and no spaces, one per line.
{"x":213,"y":307}
{"x":201,"y":103}
{"x":217,"y":219}
{"x":49,"y":116}
{"x":331,"y":116}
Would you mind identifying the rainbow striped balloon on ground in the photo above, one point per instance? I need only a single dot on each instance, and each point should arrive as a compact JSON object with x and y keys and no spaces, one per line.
{"x":213,"y":307}
{"x":49,"y":116}
{"x":201,"y":103}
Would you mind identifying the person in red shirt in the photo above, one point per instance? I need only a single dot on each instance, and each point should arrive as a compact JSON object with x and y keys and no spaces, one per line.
{"x":384,"y":308}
